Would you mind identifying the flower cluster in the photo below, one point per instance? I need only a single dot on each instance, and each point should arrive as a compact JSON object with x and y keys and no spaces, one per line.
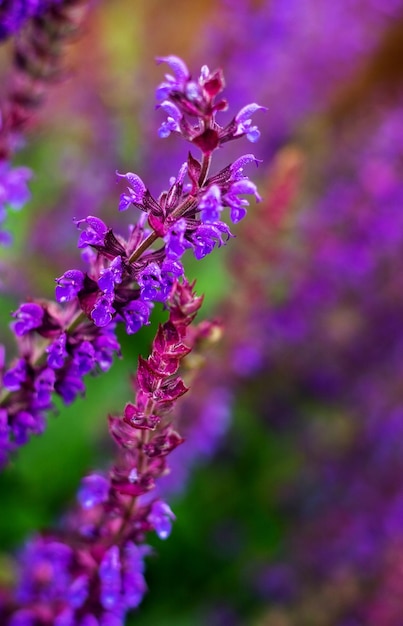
{"x":126,"y":276}
{"x":92,"y":573}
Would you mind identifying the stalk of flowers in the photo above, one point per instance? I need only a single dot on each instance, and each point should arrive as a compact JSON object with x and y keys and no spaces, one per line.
{"x":59,"y":344}
{"x":38,"y":50}
{"x":91,"y":572}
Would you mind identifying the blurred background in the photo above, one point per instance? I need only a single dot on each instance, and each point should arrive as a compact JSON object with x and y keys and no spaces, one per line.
{"x":289,"y":490}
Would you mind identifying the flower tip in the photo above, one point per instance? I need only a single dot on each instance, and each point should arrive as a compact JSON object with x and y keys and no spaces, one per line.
{"x":176,"y":64}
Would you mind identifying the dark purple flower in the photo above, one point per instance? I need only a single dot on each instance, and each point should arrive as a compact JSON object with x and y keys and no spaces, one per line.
{"x":172,"y":123}
{"x":161,"y":517}
{"x":135,"y":193}
{"x":70,"y":385}
{"x":84,"y":357}
{"x":134,"y":585}
{"x":136,"y":314}
{"x":105,"y":346}
{"x":171,"y":83}
{"x":94,"y":490}
{"x":45,"y":572}
{"x":237,"y":205}
{"x":111,"y":276}
{"x":15,"y":376}
{"x":29,"y":316}
{"x":111,"y":579}
{"x":244,"y":123}
{"x":14,"y":191}
{"x":103,"y":310}
{"x":175,"y":242}
{"x":44,"y":385}
{"x":68,"y":285}
{"x":207,"y":236}
{"x":210,"y":205}
{"x":149,"y":280}
{"x":24,"y":424}
{"x":94,"y":232}
{"x":57,"y":352}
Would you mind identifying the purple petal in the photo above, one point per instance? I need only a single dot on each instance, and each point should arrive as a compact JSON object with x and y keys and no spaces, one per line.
{"x":178,"y":67}
{"x":244,"y":114}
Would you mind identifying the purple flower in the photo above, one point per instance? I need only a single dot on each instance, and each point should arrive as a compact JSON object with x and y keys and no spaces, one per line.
{"x":70,"y":385}
{"x":14,"y":191}
{"x":15,"y":376}
{"x":172,"y":123}
{"x":207,"y":236}
{"x":136,"y":190}
{"x":94,"y":232}
{"x":45,"y":572}
{"x":29,"y":316}
{"x":175,"y":242}
{"x":57,"y":352}
{"x":244,"y":123}
{"x":134,"y":585}
{"x":103,"y":310}
{"x":149,"y":280}
{"x":44,"y":385}
{"x":160,"y":518}
{"x":111,"y":579}
{"x":94,"y":490}
{"x":25,"y":423}
{"x":111,"y":276}
{"x":68,"y":285}
{"x":105,"y":345}
{"x":136,"y":314}
{"x":84,"y":357}
{"x":236,"y":168}
{"x":237,"y":205}
{"x":210,"y":205}
{"x":78,"y":592}
{"x":176,"y":82}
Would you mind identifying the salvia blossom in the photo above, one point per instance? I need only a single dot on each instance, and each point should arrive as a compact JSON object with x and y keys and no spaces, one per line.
{"x":92,"y":572}
{"x":127,"y":275}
